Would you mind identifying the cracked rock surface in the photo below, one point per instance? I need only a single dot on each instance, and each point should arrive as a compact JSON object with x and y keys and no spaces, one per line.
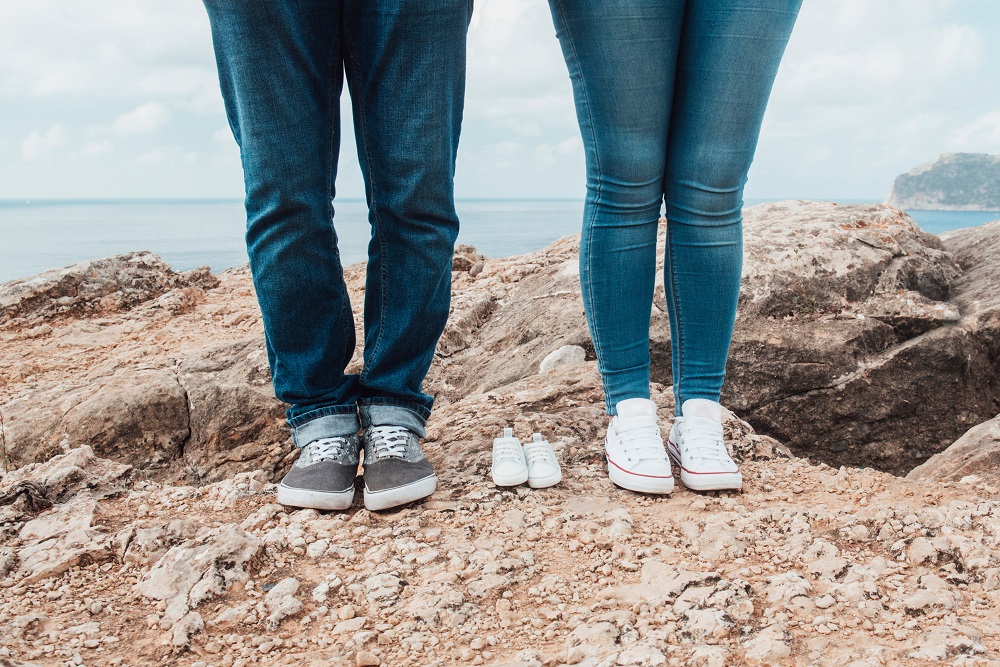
{"x":861,"y":340}
{"x":141,"y":525}
{"x":808,"y":565}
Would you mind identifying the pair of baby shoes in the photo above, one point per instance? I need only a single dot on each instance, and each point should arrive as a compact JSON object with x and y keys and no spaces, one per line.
{"x":533,"y":462}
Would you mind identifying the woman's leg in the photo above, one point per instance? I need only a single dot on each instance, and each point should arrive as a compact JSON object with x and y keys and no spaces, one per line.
{"x":621,"y":58}
{"x":729,"y":56}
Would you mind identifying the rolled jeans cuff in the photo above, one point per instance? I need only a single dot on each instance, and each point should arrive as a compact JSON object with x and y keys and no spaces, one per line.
{"x":329,"y":422}
{"x":389,"y":412}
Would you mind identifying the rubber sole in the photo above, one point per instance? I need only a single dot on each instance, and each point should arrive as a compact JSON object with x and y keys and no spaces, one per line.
{"x":545,"y":481}
{"x":317,"y":500}
{"x":705,"y":481}
{"x":383,"y":500}
{"x":510,"y":480}
{"x":640,"y":483}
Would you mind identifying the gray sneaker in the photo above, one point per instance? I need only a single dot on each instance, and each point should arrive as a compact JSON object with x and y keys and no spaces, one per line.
{"x":323,"y":476}
{"x":396,"y":471}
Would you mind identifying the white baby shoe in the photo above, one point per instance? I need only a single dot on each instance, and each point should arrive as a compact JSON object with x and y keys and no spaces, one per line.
{"x":509,"y":466}
{"x":543,"y":468}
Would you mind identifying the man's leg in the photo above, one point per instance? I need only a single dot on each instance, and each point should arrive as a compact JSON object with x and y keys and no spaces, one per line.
{"x":405,"y":64}
{"x":281,"y":70}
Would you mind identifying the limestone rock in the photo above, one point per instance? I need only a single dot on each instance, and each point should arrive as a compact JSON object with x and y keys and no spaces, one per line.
{"x":235,"y":420}
{"x":281,"y":603}
{"x":567,"y":355}
{"x":662,"y":583}
{"x":642,"y":655}
{"x":200,"y":569}
{"x":709,"y":656}
{"x":593,"y":639}
{"x":65,"y":475}
{"x":187,"y":627}
{"x":488,"y":584}
{"x":60,"y":539}
{"x":134,"y":416}
{"x":975,"y":453}
{"x":943,"y":642}
{"x":848,"y":309}
{"x":93,"y":287}
{"x":768,"y":647}
{"x":8,"y":561}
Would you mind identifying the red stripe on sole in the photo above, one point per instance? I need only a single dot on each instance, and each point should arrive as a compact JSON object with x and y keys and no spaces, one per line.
{"x":636,"y":474}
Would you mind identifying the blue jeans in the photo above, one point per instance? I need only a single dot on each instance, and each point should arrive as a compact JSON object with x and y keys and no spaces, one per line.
{"x":670,"y":96}
{"x":282,"y":65}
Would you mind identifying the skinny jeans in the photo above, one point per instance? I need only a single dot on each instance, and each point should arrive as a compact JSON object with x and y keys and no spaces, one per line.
{"x":670,"y":96}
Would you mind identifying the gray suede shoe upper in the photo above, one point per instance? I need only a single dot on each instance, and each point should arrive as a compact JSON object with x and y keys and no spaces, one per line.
{"x":327,"y":464}
{"x":393,"y":458}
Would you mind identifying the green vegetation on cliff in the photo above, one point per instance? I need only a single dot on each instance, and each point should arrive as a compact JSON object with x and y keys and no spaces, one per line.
{"x":953,"y":182}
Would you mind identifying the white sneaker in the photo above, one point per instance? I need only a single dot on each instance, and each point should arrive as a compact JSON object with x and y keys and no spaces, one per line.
{"x":697,"y":445}
{"x":634,"y":449}
{"x":509,"y":466}
{"x":543,"y":468}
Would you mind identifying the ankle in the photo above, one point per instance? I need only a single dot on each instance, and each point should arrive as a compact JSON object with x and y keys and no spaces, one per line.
{"x":702,"y":407}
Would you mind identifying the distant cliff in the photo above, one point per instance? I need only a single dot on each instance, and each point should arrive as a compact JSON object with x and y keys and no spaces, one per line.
{"x":953,"y":182}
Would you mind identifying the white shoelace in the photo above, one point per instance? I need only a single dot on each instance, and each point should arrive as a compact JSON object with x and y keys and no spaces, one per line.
{"x":389,"y":442}
{"x":326,"y":449}
{"x":507,"y":451}
{"x":705,"y":442}
{"x":644,"y":439}
{"x":539,"y":450}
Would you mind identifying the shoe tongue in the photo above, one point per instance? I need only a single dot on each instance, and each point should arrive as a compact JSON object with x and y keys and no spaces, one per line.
{"x":636,"y":407}
{"x":702,"y":407}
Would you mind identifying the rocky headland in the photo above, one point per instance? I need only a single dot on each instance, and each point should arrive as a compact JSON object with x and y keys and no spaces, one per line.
{"x":953,"y":182}
{"x":140,"y":527}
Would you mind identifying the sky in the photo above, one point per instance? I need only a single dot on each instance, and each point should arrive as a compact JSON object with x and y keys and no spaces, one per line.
{"x":119,"y":99}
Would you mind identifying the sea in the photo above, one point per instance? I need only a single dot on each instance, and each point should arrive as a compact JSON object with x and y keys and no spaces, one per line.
{"x":38,"y":235}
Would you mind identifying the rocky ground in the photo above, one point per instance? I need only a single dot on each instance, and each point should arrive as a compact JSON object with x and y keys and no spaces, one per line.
{"x":140,"y":526}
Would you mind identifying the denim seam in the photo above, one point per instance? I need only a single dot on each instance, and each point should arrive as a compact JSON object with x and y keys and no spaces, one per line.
{"x":677,"y":310}
{"x":330,"y":410}
{"x":373,"y":211}
{"x":600,"y":184}
{"x":387,"y":402}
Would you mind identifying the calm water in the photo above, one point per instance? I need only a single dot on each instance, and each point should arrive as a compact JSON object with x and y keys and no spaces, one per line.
{"x":46,"y":234}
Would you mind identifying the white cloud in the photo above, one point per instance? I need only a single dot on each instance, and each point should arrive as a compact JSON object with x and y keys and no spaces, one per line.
{"x":982,"y":134}
{"x":223,"y":136}
{"x":97,"y":149}
{"x":897,"y":51}
{"x":875,"y":87}
{"x":36,"y":146}
{"x":159,"y":156}
{"x":868,"y":89}
{"x":517,"y":79}
{"x":144,"y":118}
{"x":107,"y":48}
